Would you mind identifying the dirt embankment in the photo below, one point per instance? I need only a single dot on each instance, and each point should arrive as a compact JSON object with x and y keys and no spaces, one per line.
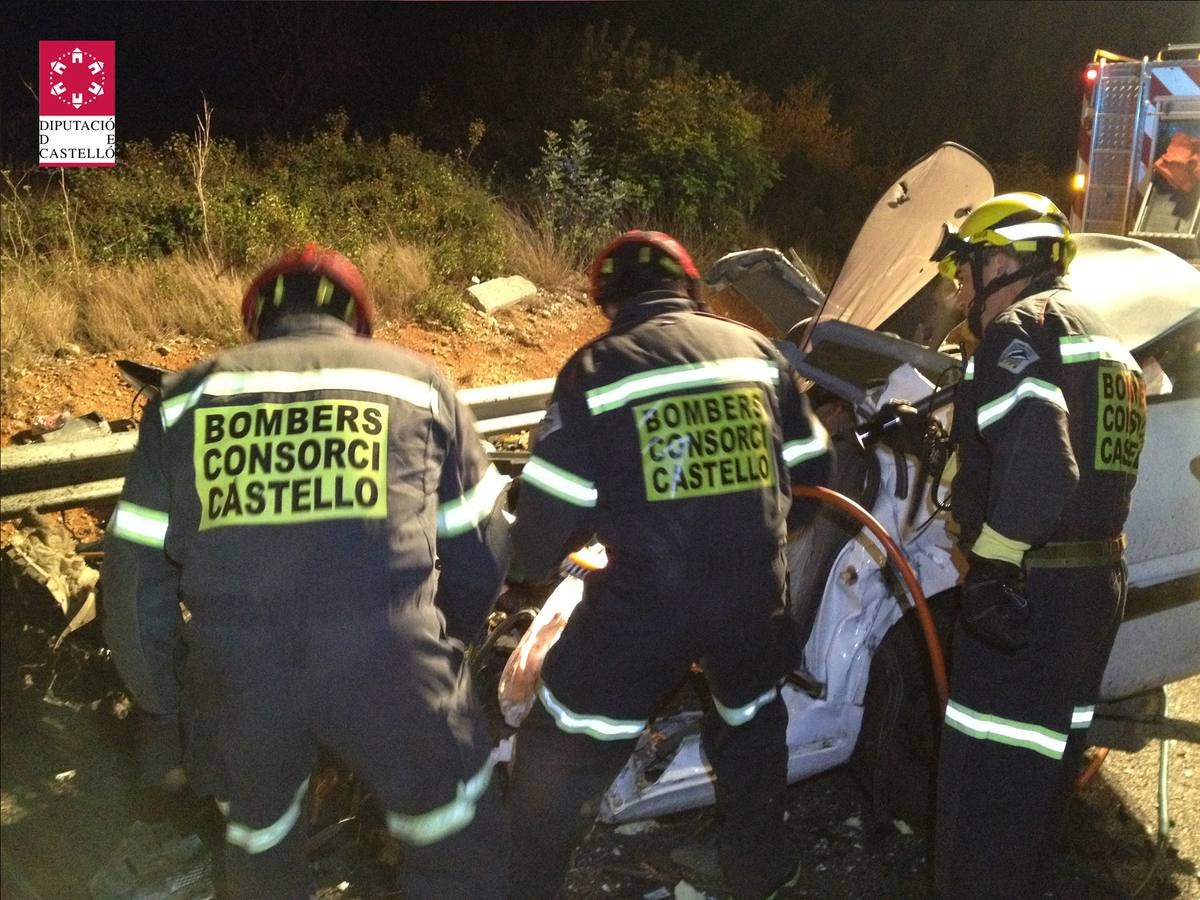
{"x":530,"y":340}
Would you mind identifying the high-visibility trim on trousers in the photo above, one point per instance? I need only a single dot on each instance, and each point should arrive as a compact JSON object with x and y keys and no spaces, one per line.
{"x":260,"y":840}
{"x":601,"y":728}
{"x":984,"y":727}
{"x":740,"y":715}
{"x":430,"y":827}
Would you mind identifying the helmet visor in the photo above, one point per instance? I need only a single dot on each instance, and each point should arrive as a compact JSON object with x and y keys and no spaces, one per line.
{"x":951,"y":250}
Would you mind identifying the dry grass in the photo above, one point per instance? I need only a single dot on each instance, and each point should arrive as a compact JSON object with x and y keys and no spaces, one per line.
{"x":535,"y":253}
{"x":114,"y":308}
{"x":824,"y":269}
{"x":397,"y":275}
{"x":123,"y":308}
{"x":37,"y":316}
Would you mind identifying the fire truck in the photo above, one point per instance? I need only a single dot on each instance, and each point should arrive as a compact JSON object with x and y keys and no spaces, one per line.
{"x":1137,"y":172}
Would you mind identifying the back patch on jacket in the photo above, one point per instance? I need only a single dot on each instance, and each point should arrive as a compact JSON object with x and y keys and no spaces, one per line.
{"x":700,"y":445}
{"x":284,"y":463}
{"x":1120,"y":420}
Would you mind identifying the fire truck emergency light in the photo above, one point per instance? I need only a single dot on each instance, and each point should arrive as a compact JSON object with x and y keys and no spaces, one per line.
{"x":1091,"y":74}
{"x":1078,"y":181}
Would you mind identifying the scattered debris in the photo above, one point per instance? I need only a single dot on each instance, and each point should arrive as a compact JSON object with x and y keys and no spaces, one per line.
{"x":684,"y":891}
{"x":640,"y":827}
{"x":902,"y":826}
{"x":69,"y":351}
{"x":47,"y":423}
{"x":46,"y":552}
{"x":154,"y":862}
{"x":659,"y":893}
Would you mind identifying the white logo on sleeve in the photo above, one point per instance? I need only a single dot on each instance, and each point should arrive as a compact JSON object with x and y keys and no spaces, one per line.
{"x":550,"y":423}
{"x":1017,"y":357}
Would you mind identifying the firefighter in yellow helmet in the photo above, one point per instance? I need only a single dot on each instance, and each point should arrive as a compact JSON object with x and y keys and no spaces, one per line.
{"x":1049,"y":422}
{"x":293,"y":493}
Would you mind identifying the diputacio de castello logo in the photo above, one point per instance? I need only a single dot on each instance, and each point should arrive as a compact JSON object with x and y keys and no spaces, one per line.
{"x":77,"y":91}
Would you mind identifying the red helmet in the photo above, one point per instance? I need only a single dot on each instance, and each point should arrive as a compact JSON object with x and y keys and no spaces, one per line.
{"x":642,"y":261}
{"x":312,"y":278}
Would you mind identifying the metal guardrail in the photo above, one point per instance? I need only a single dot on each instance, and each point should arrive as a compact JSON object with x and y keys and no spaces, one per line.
{"x":62,"y":475}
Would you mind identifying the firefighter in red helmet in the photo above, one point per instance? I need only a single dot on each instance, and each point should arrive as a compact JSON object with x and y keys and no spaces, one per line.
{"x":674,"y":439}
{"x":293,"y":494}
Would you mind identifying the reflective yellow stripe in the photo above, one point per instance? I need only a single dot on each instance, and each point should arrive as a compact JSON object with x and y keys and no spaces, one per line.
{"x":740,"y":715}
{"x":259,"y":840}
{"x":796,"y":452}
{"x":174,"y":407}
{"x":719,"y":371}
{"x":369,"y":381}
{"x":430,"y":827}
{"x":1081,"y":716}
{"x":601,"y":728}
{"x":985,"y":727}
{"x":1030,"y":388}
{"x":139,"y":524}
{"x":1078,"y":348}
{"x":461,"y":515}
{"x":1028,"y":231}
{"x":560,"y":483}
{"x":991,"y":544}
{"x":324,"y":291}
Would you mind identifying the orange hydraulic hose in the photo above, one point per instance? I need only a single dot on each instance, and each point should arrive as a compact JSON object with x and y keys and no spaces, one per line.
{"x":937,"y":660}
{"x":1093,"y":766}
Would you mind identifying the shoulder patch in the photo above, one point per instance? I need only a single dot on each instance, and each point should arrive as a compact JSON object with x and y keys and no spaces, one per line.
{"x":1017,"y":357}
{"x":550,"y":423}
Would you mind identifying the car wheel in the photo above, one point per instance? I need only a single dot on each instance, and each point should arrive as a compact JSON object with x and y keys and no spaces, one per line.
{"x":895,"y":759}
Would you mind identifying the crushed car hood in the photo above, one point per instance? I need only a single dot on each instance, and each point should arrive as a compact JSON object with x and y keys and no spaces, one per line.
{"x":888,"y":305}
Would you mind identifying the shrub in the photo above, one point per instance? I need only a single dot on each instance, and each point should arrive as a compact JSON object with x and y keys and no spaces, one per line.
{"x":578,"y":202}
{"x":826,"y":188}
{"x":439,"y":304}
{"x":1026,"y":173}
{"x":687,"y":139}
{"x":236,"y":209}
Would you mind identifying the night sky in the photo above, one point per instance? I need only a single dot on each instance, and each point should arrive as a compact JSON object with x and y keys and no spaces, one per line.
{"x":1001,"y":77}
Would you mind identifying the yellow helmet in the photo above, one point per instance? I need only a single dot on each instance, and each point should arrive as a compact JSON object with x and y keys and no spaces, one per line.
{"x":1023,"y":222}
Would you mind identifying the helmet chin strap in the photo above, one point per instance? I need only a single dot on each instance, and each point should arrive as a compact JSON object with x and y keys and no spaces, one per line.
{"x":984,"y":292}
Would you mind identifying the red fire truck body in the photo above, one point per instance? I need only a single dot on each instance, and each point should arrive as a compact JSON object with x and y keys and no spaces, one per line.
{"x":1133,"y":175}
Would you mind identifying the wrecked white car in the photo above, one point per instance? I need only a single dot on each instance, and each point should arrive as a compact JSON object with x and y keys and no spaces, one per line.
{"x":865,"y":694}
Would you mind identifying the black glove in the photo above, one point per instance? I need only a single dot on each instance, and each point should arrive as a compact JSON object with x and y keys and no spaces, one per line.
{"x":995,"y":609}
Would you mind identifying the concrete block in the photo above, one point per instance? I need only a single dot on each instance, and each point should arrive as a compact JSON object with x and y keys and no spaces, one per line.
{"x":501,"y":292}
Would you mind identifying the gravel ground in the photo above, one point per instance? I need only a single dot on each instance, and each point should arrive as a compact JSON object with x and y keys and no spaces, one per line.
{"x":66,"y":771}
{"x":1111,"y":850}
